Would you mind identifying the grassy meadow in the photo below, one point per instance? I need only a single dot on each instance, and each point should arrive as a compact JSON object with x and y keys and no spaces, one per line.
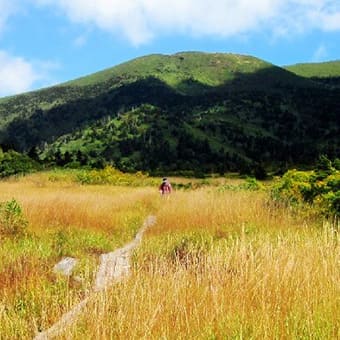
{"x":218,"y":264}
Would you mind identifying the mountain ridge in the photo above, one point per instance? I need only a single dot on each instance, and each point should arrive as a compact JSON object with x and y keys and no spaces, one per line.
{"x":233,"y":111}
{"x":316,"y":69}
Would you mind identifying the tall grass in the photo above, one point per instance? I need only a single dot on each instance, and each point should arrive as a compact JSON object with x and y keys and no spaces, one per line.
{"x":245,"y":289}
{"x":224,"y":212}
{"x":99,"y":208}
{"x":225,"y":266}
{"x":65,"y":219}
{"x":217,"y":265}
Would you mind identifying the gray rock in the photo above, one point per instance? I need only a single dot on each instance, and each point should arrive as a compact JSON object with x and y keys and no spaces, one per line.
{"x":65,"y":266}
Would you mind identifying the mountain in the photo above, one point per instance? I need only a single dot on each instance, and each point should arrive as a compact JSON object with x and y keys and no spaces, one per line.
{"x":187,"y":111}
{"x":326,"y":73}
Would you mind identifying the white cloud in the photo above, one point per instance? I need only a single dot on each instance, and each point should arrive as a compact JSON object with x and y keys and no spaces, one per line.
{"x":141,"y":20}
{"x":7,"y":8}
{"x":18,"y":75}
{"x":80,"y":41}
{"x":305,"y":15}
{"x":320,"y":53}
{"x":328,"y":21}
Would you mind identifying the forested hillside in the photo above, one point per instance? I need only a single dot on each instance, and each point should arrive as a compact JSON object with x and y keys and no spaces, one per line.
{"x":188,"y":111}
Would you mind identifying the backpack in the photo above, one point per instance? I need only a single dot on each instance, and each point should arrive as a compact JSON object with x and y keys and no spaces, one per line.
{"x":165,"y":187}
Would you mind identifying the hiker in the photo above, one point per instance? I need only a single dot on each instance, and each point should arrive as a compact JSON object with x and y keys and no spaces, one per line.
{"x":165,"y":187}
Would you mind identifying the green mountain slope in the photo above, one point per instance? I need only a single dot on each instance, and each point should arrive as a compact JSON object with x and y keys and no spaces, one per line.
{"x":318,"y":70}
{"x":185,"y":111}
{"x":207,"y":69}
{"x":327,"y":73}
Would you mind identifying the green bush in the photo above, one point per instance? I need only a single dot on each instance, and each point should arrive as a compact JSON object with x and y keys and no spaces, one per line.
{"x":12,"y":221}
{"x":110,"y":175}
{"x":320,"y":188}
{"x":12,"y":163}
{"x":250,"y":184}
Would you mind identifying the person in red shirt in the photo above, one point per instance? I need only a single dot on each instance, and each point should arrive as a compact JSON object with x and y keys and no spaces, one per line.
{"x":165,"y":187}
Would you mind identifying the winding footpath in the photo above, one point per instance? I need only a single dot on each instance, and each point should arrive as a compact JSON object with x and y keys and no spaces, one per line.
{"x":113,"y":268}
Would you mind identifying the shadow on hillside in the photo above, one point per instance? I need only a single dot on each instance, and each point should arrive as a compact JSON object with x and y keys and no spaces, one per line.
{"x":332,"y":82}
{"x":49,"y":124}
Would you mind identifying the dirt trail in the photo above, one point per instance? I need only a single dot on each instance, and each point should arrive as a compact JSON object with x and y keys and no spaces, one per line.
{"x":113,"y":268}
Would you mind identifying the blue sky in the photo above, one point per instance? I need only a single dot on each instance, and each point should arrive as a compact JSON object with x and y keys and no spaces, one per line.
{"x":45,"y":42}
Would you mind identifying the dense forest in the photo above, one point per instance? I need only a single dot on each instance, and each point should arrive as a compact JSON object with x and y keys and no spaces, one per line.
{"x":189,"y":111}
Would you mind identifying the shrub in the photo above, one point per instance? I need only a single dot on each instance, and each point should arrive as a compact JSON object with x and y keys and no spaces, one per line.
{"x":250,"y":184}
{"x":110,"y":175}
{"x":293,"y":188}
{"x":12,"y":220}
{"x":12,"y":163}
{"x":319,"y":188}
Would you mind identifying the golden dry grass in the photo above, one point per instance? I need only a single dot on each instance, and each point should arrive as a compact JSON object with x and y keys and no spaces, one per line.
{"x":244,"y":271}
{"x":207,"y":209}
{"x":65,"y":219}
{"x":274,"y":290}
{"x":218,"y":265}
{"x":71,"y":205}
